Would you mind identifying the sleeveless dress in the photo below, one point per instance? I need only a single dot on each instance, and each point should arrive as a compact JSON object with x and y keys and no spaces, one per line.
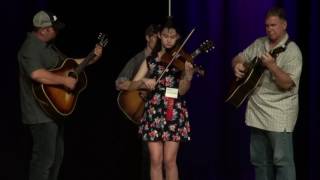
{"x":160,"y":122}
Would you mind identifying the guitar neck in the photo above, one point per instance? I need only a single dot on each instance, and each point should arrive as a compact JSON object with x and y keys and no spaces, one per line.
{"x":274,"y":53}
{"x":84,"y":63}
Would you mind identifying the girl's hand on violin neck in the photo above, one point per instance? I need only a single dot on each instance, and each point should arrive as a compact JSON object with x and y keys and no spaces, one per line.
{"x":189,"y":70}
{"x":148,"y":83}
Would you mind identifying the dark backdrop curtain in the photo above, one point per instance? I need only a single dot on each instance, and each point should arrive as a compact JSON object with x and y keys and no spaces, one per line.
{"x":101,"y":144}
{"x":220,"y":146}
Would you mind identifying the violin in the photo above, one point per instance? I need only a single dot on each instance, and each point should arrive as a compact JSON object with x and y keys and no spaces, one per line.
{"x":180,"y":60}
{"x":183,"y":56}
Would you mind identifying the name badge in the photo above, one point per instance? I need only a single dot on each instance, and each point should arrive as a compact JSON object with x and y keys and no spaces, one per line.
{"x":171,"y":92}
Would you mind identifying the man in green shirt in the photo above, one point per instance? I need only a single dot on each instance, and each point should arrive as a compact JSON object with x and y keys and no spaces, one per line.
{"x":36,"y":56}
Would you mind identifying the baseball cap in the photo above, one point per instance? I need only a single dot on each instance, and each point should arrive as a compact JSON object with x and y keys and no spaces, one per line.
{"x":47,"y":19}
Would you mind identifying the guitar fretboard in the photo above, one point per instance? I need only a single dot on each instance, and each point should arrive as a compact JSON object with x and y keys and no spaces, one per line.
{"x":84,"y":63}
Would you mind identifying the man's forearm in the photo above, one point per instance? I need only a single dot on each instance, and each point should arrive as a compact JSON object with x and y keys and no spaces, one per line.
{"x":282,"y":79}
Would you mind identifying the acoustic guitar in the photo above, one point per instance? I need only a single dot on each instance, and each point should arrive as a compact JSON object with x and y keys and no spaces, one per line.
{"x":58,"y":101}
{"x":241,"y":88}
{"x":131,"y":103}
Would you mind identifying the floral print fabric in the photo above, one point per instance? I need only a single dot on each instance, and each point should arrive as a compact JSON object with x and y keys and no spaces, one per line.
{"x":155,"y":124}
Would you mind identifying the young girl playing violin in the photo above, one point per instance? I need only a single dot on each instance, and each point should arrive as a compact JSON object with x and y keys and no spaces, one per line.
{"x":165,"y":122}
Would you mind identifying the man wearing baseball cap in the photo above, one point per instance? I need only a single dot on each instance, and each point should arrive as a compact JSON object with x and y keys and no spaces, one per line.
{"x":36,"y":57}
{"x":46,"y":19}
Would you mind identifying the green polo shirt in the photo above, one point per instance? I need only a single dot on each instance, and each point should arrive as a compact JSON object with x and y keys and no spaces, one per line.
{"x":33,"y":55}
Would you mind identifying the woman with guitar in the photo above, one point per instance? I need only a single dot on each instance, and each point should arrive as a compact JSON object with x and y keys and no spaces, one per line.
{"x":165,"y":121}
{"x":37,"y":57}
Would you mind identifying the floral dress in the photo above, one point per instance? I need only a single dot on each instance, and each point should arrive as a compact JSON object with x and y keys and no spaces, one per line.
{"x":160,"y":122}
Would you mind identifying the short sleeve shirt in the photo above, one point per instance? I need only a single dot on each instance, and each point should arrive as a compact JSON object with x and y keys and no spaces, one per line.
{"x":33,"y":55}
{"x":270,"y":108}
{"x":132,"y":66}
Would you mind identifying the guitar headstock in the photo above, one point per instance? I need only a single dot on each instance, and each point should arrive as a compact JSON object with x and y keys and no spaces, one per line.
{"x":103,"y":40}
{"x":206,"y":46}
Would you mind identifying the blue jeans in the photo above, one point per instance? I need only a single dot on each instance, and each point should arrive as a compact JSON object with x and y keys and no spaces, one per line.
{"x":272,"y":155}
{"x":47,"y":151}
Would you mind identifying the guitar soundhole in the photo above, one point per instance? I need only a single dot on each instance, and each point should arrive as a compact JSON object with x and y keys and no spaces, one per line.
{"x":73,"y":75}
{"x":143,"y":95}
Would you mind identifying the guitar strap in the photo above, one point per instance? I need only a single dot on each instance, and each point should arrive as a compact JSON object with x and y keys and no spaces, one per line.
{"x":286,"y":43}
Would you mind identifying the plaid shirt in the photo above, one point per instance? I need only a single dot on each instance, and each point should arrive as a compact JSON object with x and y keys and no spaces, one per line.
{"x":268,"y":107}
